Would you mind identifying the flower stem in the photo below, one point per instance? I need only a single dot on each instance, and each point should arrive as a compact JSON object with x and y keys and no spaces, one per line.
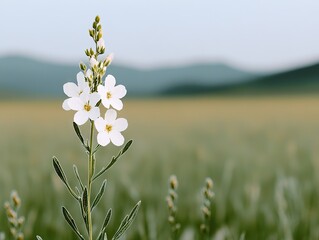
{"x":90,"y":174}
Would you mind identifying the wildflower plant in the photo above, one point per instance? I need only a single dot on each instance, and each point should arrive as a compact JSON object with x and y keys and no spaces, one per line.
{"x":15,"y":221}
{"x":89,"y":98}
{"x":208,"y":196}
{"x":171,"y":201}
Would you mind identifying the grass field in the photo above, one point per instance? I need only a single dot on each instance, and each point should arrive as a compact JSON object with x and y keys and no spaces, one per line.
{"x":262,"y":153}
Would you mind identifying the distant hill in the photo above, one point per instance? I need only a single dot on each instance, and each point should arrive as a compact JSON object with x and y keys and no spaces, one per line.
{"x":25,"y":77}
{"x":300,"y":80}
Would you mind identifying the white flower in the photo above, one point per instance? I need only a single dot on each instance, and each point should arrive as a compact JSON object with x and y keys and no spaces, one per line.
{"x":101,"y":43}
{"x":111,"y":94}
{"x":85,"y":105}
{"x":72,"y":90}
{"x":93,"y":62}
{"x":110,"y":129}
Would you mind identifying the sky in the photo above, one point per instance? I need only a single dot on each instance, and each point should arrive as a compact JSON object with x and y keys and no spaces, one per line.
{"x":255,"y":35}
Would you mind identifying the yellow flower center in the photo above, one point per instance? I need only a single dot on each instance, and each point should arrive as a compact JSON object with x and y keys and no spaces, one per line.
{"x":108,"y":128}
{"x":108,"y":95}
{"x":87,"y":107}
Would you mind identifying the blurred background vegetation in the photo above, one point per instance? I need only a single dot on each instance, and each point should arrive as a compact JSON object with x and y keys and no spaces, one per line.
{"x":204,"y":100}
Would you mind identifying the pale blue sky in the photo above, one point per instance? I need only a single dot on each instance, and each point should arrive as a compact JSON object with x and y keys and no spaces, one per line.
{"x":251,"y":34}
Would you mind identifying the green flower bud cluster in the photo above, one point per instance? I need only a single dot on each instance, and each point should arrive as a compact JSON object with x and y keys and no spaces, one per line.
{"x":171,"y":201}
{"x":97,"y":68}
{"x":15,"y":222}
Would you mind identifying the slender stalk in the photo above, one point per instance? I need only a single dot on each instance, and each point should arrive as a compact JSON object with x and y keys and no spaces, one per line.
{"x":90,"y":173}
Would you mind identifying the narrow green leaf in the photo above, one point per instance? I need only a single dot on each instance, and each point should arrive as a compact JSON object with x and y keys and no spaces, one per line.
{"x":78,"y":132}
{"x":114,"y":159}
{"x":76,"y":172}
{"x":99,"y":195}
{"x":127,"y":146}
{"x":134,"y":211}
{"x":127,"y":221}
{"x":58,"y":169}
{"x":71,"y":222}
{"x":39,"y":238}
{"x":96,"y":148}
{"x":121,"y":230}
{"x":105,"y":223}
{"x":85,"y":201}
{"x":107,"y":218}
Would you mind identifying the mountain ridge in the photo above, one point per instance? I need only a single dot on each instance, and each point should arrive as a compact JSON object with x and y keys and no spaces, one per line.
{"x":38,"y":78}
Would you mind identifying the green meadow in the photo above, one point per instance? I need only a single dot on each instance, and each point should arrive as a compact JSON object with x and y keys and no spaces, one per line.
{"x":261,"y":152}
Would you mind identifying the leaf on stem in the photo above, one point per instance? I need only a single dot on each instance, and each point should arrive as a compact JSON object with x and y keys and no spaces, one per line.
{"x":105,"y":223}
{"x":78,"y":133}
{"x":127,"y":221}
{"x":76,"y":172}
{"x":114,"y":159}
{"x":58,"y":169}
{"x":85,"y":201}
{"x":99,"y":195}
{"x":71,"y":222}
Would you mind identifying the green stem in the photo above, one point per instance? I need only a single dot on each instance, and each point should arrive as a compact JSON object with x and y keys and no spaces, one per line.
{"x":90,"y":174}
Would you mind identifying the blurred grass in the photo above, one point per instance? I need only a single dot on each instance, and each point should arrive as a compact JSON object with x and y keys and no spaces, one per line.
{"x":262,"y":154}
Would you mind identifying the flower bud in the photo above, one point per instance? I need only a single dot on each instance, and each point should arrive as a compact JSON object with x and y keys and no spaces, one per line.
{"x":97,"y":19}
{"x":109,"y":59}
{"x":173,"y":182}
{"x":94,"y":25}
{"x":11,"y":213}
{"x":93,"y":62}
{"x":101,"y":43}
{"x":82,"y":66}
{"x":209,"y":183}
{"x":87,"y":52}
{"x":171,"y":219}
{"x":20,"y":236}
{"x":91,"y":32}
{"x":100,"y":36}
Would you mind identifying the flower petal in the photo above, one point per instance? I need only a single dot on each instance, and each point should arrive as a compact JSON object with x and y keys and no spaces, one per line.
{"x":65,"y":105}
{"x":81,"y":117}
{"x":110,"y":81}
{"x":70,"y":89}
{"x":119,"y":91}
{"x":106,"y":103}
{"x":103,"y":138}
{"x":75,"y":103}
{"x":101,"y":90}
{"x":94,"y":113}
{"x":86,"y":89}
{"x":94,"y":98}
{"x":80,"y":79}
{"x":116,"y":138}
{"x":110,"y":116}
{"x":100,"y":124}
{"x":120,"y":124}
{"x":117,"y":104}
